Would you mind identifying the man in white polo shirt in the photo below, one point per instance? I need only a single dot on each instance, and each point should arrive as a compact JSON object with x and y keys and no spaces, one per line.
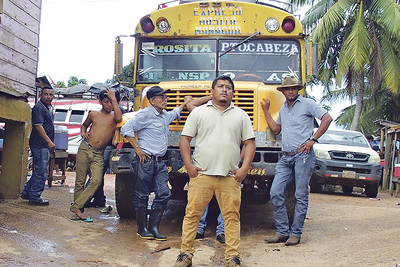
{"x":219,"y":128}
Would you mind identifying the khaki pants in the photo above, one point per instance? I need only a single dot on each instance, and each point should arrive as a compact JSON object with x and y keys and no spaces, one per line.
{"x":87,"y":158}
{"x":228,"y":194}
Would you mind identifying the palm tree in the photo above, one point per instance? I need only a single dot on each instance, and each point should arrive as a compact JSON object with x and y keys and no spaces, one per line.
{"x":378,"y":104}
{"x":359,"y":43}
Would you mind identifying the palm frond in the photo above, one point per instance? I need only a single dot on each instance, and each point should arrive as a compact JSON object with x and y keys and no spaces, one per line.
{"x":391,"y":64}
{"x":376,"y":59}
{"x":356,"y":48}
{"x":331,"y":21}
{"x":388,"y":13}
{"x":316,"y":12}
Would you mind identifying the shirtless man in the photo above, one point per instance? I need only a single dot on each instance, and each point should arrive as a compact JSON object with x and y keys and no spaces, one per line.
{"x":90,"y":152}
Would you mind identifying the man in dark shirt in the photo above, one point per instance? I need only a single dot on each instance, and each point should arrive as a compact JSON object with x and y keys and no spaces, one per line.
{"x":41,"y":143}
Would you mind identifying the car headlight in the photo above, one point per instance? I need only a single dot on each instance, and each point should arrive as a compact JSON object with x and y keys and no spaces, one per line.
{"x":321,"y":154}
{"x":374,"y":158}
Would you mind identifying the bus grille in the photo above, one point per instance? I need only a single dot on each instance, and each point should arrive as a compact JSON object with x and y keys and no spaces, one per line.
{"x":242,"y":98}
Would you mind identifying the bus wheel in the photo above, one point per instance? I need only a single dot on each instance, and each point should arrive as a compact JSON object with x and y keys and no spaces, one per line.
{"x":124,"y":194}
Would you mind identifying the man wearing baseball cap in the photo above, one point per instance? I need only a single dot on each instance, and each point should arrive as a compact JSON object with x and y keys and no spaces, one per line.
{"x":151,"y":125}
{"x":296,"y":122}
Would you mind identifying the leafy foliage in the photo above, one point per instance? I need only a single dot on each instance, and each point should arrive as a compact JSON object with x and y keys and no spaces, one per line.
{"x":359,"y":42}
{"x":126,"y":77}
{"x":61,"y":84}
{"x":74,"y":81}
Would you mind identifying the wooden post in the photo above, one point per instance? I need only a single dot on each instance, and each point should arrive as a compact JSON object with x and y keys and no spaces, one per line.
{"x":392,"y":162}
{"x":388,"y":161}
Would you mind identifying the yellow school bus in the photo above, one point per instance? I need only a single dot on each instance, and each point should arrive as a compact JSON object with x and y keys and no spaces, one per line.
{"x":184,"y":47}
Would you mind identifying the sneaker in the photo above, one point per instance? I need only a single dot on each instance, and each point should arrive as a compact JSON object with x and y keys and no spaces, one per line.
{"x":23,"y":196}
{"x":183,"y":260}
{"x":199,"y":236}
{"x":107,"y":209}
{"x":235,"y":261}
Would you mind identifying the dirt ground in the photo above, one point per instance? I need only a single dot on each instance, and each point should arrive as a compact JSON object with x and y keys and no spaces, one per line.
{"x":340,"y":231}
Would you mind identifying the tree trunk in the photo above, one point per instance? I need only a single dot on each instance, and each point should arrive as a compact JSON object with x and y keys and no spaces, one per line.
{"x":359,"y":84}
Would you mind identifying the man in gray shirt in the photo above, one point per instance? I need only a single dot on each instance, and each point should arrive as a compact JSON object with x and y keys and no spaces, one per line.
{"x":296,"y":121}
{"x":151,"y":125}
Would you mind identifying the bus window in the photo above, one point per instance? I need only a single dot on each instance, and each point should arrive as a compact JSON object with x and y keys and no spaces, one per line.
{"x":260,"y":60}
{"x":60,"y":115}
{"x":176,"y":60}
{"x":77,"y":116}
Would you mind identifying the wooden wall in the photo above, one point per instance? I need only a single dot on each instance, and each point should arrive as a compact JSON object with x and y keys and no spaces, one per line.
{"x":19,"y":42}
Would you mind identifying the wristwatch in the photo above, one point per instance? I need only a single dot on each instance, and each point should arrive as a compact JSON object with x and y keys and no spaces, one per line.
{"x":313,"y":139}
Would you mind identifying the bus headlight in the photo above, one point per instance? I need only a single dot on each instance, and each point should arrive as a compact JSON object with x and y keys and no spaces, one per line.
{"x":272,"y":25}
{"x":163,"y":25}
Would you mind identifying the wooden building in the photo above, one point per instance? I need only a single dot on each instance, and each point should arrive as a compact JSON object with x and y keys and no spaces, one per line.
{"x":389,"y":133}
{"x":19,"y":43}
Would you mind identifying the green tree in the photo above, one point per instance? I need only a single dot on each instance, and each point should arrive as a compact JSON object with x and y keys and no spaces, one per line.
{"x":61,"y":84}
{"x":73,"y":80}
{"x":126,"y":77}
{"x":378,"y":104}
{"x":358,"y":44}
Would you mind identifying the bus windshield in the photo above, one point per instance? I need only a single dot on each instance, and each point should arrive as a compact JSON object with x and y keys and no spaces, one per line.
{"x":199,"y":59}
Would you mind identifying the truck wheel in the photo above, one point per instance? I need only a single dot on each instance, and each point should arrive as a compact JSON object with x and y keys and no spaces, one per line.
{"x":315,"y":187}
{"x":347,"y":189}
{"x":371,"y":190}
{"x":124,"y":194}
{"x":290,"y":202}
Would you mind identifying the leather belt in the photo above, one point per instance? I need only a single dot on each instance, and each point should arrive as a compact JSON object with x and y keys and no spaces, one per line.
{"x":291,"y":153}
{"x":96,"y":149}
{"x":156,"y":158}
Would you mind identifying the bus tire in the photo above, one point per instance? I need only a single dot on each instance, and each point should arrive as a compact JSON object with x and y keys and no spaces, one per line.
{"x":124,"y":194}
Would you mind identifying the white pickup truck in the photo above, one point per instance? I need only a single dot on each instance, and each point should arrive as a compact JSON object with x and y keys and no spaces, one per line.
{"x":345,"y":158}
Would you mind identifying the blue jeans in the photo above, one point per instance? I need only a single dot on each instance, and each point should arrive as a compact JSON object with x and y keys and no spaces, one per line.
{"x":203,"y":224}
{"x":99,"y":196}
{"x":151,"y":176}
{"x":298,"y":167}
{"x":35,"y":186}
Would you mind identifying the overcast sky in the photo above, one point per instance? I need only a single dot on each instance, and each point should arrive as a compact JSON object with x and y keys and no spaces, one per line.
{"x":77,"y":36}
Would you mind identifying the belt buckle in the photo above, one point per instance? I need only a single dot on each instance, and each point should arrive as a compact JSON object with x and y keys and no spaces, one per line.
{"x":290,"y":153}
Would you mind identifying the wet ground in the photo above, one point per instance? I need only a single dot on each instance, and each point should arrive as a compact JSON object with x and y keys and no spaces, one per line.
{"x":340,"y":231}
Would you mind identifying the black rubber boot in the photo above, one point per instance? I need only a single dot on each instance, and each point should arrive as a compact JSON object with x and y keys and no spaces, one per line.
{"x":154,"y":223}
{"x":141,"y":219}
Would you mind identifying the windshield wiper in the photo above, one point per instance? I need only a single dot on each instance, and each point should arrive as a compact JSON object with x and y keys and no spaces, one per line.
{"x":242,"y":42}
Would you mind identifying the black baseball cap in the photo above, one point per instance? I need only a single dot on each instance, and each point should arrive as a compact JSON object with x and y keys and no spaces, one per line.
{"x":156,"y":90}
